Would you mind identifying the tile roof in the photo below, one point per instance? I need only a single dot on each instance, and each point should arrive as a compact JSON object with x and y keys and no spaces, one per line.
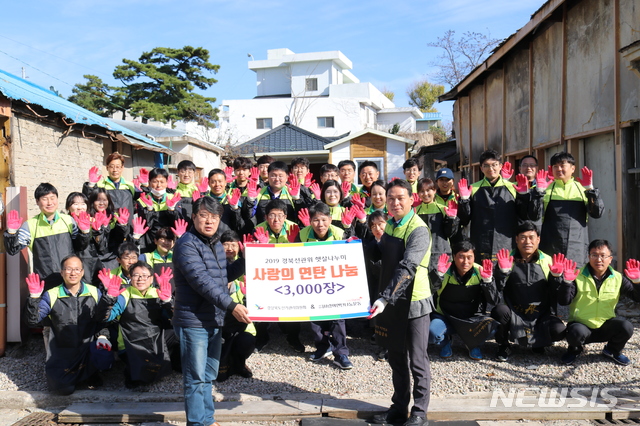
{"x":285,"y":138}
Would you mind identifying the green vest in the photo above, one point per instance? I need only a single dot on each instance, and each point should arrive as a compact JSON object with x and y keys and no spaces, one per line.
{"x":39,"y":227}
{"x":158,"y":206}
{"x":186,"y":190}
{"x":449,"y":277}
{"x":336,"y":212}
{"x":445,"y":203}
{"x":559,"y":191}
{"x":501,"y":182}
{"x":590,"y":306}
{"x":334,"y":234}
{"x":108,"y":184}
{"x":431,"y":208}
{"x":59,"y":292}
{"x":421,"y":287}
{"x":154,"y":258}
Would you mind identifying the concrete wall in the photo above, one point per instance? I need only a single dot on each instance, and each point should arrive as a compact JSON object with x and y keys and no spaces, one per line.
{"x":629,"y":81}
{"x":273,"y":81}
{"x":396,"y":156}
{"x":301,"y":71}
{"x":494,"y":109}
{"x":406,"y":120}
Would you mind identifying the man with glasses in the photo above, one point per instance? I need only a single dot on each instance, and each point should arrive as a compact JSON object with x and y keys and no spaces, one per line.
{"x":202,"y":298}
{"x":529,"y":168}
{"x":592,"y":294}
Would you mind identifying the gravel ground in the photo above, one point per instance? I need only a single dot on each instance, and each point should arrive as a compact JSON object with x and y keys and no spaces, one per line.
{"x":279,"y":371}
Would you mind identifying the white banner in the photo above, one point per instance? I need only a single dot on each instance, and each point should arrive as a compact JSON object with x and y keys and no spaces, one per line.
{"x":313,"y":281}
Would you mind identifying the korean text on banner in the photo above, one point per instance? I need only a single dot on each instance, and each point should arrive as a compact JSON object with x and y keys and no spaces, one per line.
{"x":313,"y":281}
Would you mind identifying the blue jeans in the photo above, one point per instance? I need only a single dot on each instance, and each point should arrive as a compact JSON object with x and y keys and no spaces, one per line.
{"x":200,"y":353}
{"x":439,"y":329}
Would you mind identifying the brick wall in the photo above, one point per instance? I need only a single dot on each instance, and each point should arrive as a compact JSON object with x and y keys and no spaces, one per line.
{"x":41,"y":154}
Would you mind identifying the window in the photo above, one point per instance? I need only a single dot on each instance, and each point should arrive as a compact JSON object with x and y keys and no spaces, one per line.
{"x":325,"y":122}
{"x":311,"y":84}
{"x":263,"y":123}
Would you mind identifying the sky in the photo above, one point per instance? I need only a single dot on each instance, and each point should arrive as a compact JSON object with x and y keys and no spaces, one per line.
{"x":58,"y":42}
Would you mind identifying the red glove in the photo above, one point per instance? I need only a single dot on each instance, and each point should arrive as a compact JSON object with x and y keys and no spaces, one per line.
{"x":103,"y":343}
{"x":293,"y":232}
{"x":416,"y":200}
{"x":255,"y":174}
{"x":294,"y":188}
{"x":550,"y":173}
{"x":203,"y":186}
{"x":570,"y":270}
{"x":522,"y":186}
{"x":104,"y":275}
{"x":505,"y":262}
{"x":463,"y":189}
{"x":315,"y":188}
{"x":308,"y":179}
{"x":234,"y":198}
{"x":541,"y":180}
{"x":443,"y":263}
{"x":171,"y":184}
{"x":228,"y":173}
{"x":114,"y":286}
{"x":180,"y":227}
{"x":303,"y":217}
{"x":164,"y":283}
{"x":486,"y":270}
{"x":587,"y":178}
{"x":248,"y":239}
{"x":241,"y":247}
{"x":195,"y":196}
{"x":357,"y":200}
{"x":171,"y":202}
{"x":557,"y":265}
{"x":123,"y":215}
{"x":14,"y":221}
{"x":143,"y":177}
{"x":252,"y":189}
{"x":136,"y":183}
{"x":139,"y":228}
{"x":360,"y":213}
{"x":632,"y":270}
{"x":261,"y":235}
{"x":347,"y":217}
{"x":84,"y":221}
{"x":346,"y":188}
{"x":35,"y":285}
{"x":96,"y":223}
{"x":146,"y":201}
{"x":94,"y":177}
{"x":507,"y":171}
{"x":452,"y":209}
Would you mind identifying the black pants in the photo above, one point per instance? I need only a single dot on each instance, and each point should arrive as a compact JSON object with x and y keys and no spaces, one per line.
{"x":412,"y":362}
{"x":326,"y":333}
{"x":615,"y":331}
{"x":502,"y":313}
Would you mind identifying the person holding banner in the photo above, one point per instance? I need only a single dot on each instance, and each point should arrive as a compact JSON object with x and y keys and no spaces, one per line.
{"x":405,"y":304}
{"x":329,"y":336}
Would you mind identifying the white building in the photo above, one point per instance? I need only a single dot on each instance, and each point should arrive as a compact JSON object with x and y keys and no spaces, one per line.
{"x":318,"y":92}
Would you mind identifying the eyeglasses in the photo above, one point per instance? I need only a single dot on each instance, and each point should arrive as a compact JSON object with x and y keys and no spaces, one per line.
{"x":71,"y":270}
{"x":140,"y":276}
{"x":132,"y":258}
{"x":276,"y":216}
{"x":595,"y":256}
{"x":113,"y":167}
{"x":493,"y":166}
{"x":528,"y":165}
{"x":208,"y":217}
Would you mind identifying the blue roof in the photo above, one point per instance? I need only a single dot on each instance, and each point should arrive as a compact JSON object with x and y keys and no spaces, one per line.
{"x":19,"y":89}
{"x":430,"y":116}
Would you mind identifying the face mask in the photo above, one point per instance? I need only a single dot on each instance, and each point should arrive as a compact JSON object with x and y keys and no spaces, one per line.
{"x":158,"y":193}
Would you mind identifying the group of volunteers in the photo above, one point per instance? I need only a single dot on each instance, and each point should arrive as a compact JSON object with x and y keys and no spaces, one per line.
{"x":154,"y":268}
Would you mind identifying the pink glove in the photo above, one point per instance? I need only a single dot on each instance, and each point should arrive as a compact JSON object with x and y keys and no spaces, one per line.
{"x":486,"y":270}
{"x":443,"y":263}
{"x":308,"y":179}
{"x":557,"y":265}
{"x":261,"y":235}
{"x":14,"y":221}
{"x":228,"y":173}
{"x":146,"y":201}
{"x":347,"y":217}
{"x":587,"y":178}
{"x":463,"y":189}
{"x":180,"y":227}
{"x":346,"y":188}
{"x":243,"y":285}
{"x":203,"y":186}
{"x":241,"y":247}
{"x":114,"y":286}
{"x":507,"y":171}
{"x":632,"y":270}
{"x":416,"y":200}
{"x":104,"y":275}
{"x":541,"y":180}
{"x":550,"y":173}
{"x":96,"y":223}
{"x":171,"y":202}
{"x":315,"y":188}
{"x":139,"y":228}
{"x":452,"y":209}
{"x":255,"y":174}
{"x":252,"y":189}
{"x":505,"y":261}
{"x":522,"y":186}
{"x":84,"y":221}
{"x":293,"y":232}
{"x":164,"y":282}
{"x":360,"y":213}
{"x":136,"y":183}
{"x":143,"y":177}
{"x":570,"y":270}
{"x":171,"y":184}
{"x":35,"y":285}
{"x":234,"y":198}
{"x":303,"y":217}
{"x":195,"y":196}
{"x":94,"y":177}
{"x":357,"y":200}
{"x":123,"y":215}
{"x":294,"y":188}
{"x":248,"y":239}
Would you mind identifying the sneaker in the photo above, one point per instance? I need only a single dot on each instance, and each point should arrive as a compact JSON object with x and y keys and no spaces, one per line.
{"x":503,"y":352}
{"x":296,"y":344}
{"x":320,"y":354}
{"x":571,"y":355}
{"x":619,"y":358}
{"x":416,"y":421}
{"x":343,"y":362}
{"x":475,"y":353}
{"x":383,"y":355}
{"x":445,"y":348}
{"x":391,"y":416}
